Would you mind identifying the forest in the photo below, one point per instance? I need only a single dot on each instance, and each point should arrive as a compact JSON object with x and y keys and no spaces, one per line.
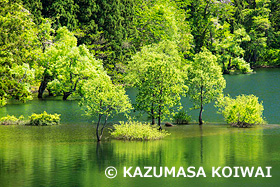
{"x":94,"y":49}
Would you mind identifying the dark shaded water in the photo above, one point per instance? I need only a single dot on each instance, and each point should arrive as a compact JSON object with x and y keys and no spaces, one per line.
{"x":67,"y":155}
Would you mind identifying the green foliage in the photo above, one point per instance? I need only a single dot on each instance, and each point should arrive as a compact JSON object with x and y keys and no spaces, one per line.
{"x":157,"y":72}
{"x":182,"y":117}
{"x":67,"y":66}
{"x":244,"y":111}
{"x":228,"y":46}
{"x":115,"y":20}
{"x":206,"y":81}
{"x":160,"y":20}
{"x":257,"y":23}
{"x":137,"y":131}
{"x":241,"y":65}
{"x":114,"y":30}
{"x":35,"y":120}
{"x":18,"y":48}
{"x":201,"y":14}
{"x":271,"y":57}
{"x":100,"y":97}
{"x":11,"y":120}
{"x":36,"y":44}
{"x":44,"y":119}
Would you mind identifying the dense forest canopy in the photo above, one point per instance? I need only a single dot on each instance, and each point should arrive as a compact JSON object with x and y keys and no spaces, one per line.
{"x":59,"y":45}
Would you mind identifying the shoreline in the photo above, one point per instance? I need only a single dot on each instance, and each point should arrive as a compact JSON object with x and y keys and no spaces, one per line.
{"x":265,"y":67}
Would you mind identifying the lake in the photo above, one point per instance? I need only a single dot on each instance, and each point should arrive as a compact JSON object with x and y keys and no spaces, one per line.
{"x":67,"y":155}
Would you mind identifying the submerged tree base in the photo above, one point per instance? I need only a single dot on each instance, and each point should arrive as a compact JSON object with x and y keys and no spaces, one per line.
{"x":242,"y":124}
{"x":137,"y":131}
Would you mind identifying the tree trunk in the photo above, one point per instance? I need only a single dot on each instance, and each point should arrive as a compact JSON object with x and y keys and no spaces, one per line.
{"x":200,"y":116}
{"x":42,"y":88}
{"x":201,"y":106}
{"x":152,"y":111}
{"x":97,"y":128}
{"x":44,"y":85}
{"x":255,"y":56}
{"x":159,"y":123}
{"x":66,"y":95}
{"x":159,"y":119}
{"x":50,"y":93}
{"x":103,"y":127}
{"x":152,"y":114}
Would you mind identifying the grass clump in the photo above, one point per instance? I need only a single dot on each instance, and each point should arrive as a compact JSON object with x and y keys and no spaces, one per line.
{"x":244,"y":111}
{"x":137,"y":131}
{"x":44,"y":119}
{"x":182,"y":117}
{"x":11,"y":120}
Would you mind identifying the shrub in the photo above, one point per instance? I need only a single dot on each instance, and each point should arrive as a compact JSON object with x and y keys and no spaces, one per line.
{"x":137,"y":131}
{"x":244,"y":111}
{"x":11,"y":120}
{"x":182,"y":117}
{"x":44,"y":119}
{"x":241,"y":65}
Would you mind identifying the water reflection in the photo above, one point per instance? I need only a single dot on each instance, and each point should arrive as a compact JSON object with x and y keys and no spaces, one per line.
{"x":69,"y":156}
{"x":201,"y":143}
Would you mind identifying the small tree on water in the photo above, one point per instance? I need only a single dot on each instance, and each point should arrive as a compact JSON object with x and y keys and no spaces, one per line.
{"x":206,"y":81}
{"x":102,"y":98}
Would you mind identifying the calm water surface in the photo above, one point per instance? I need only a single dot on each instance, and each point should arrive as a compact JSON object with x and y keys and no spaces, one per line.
{"x":67,"y":155}
{"x":265,"y":84}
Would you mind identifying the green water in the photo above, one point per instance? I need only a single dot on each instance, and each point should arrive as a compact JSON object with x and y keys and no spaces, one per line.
{"x":265,"y":84}
{"x":67,"y":155}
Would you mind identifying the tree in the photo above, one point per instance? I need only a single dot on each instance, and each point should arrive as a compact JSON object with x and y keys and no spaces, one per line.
{"x":206,"y":81}
{"x":35,"y":7}
{"x":157,"y":73}
{"x":58,"y":47}
{"x":102,"y":98}
{"x":18,"y":48}
{"x":67,"y":65}
{"x":257,"y":23}
{"x":45,"y":36}
{"x":161,"y":20}
{"x":244,"y":111}
{"x":228,"y":48}
{"x":200,"y":14}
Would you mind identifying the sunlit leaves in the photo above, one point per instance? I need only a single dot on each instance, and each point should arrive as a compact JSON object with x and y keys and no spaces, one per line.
{"x":68,"y":64}
{"x":162,"y":20}
{"x":101,"y":97}
{"x":206,"y":81}
{"x":18,"y":46}
{"x":243,"y":111}
{"x":228,"y":47}
{"x":157,"y":72}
